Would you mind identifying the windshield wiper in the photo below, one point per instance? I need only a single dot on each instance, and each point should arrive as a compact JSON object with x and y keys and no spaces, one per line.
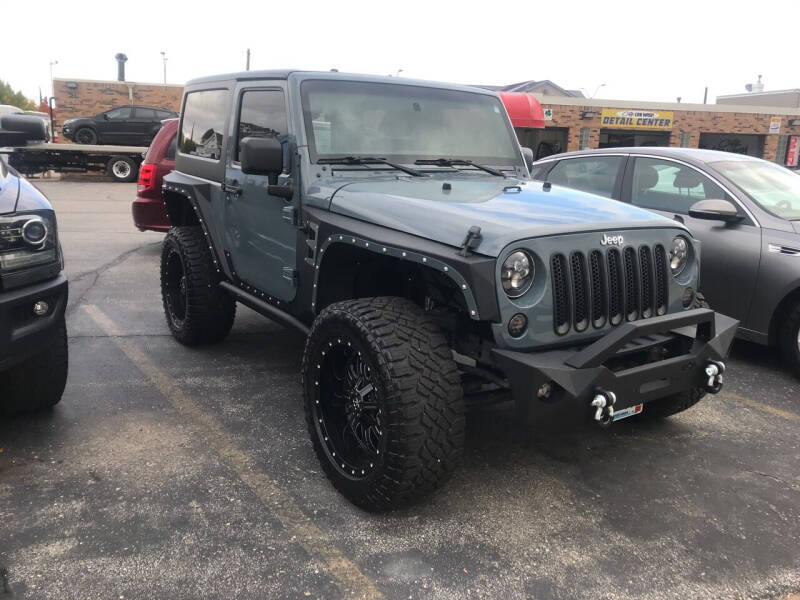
{"x":368,"y":160}
{"x":458,"y":162}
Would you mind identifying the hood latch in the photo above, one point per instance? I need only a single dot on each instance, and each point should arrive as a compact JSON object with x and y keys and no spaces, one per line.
{"x":472,"y":241}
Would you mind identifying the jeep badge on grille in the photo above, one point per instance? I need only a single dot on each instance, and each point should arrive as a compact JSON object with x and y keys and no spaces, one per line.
{"x":612,"y":240}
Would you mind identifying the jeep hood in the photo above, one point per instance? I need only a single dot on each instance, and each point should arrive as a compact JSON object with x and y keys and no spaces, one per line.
{"x":506,"y":210}
{"x":9,"y":190}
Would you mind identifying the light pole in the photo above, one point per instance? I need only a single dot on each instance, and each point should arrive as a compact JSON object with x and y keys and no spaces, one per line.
{"x":164,"y":60}
{"x":52,"y":89}
{"x":597,"y":89}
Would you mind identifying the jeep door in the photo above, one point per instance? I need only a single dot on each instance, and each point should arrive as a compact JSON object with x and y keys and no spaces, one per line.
{"x":143,"y":126}
{"x":729,"y":253}
{"x":260,"y":233}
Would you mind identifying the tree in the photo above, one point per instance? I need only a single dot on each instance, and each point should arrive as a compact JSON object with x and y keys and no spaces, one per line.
{"x":9,"y":96}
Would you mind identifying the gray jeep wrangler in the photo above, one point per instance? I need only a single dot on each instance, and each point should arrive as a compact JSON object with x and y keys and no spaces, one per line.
{"x":394,"y":223}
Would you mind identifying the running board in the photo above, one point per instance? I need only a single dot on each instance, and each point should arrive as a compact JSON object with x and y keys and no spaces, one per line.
{"x":265,"y":309}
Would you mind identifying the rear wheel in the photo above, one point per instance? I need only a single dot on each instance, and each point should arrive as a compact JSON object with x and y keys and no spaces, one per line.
{"x":86,"y":135}
{"x":37,"y":383}
{"x":383,"y":401}
{"x":123,"y":169}
{"x":198,"y":311}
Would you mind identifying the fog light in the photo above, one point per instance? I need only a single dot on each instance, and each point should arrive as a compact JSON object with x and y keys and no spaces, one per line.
{"x":41,"y":308}
{"x":688,"y":297}
{"x":517,"y":325}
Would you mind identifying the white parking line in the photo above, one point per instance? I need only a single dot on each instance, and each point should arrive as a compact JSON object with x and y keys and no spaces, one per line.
{"x":350,"y":580}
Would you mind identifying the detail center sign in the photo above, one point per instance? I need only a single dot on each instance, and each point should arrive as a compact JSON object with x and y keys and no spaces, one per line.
{"x":617,"y":118}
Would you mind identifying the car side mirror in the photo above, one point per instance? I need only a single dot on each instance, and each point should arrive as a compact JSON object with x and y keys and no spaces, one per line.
{"x":715,"y":210}
{"x":261,"y":156}
{"x":527,"y":154}
{"x":105,"y":117}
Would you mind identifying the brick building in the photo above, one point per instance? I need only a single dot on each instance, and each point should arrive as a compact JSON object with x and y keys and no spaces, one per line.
{"x":84,"y":98}
{"x":578,"y":123}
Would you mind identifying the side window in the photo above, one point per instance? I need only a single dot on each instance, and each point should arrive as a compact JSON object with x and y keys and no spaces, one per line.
{"x":595,"y":174}
{"x":165,"y":114}
{"x":669,"y":186}
{"x":173,"y":145}
{"x":146,"y":113}
{"x":262,"y":114}
{"x":123,"y":112}
{"x":539,"y":172}
{"x":203,"y":126}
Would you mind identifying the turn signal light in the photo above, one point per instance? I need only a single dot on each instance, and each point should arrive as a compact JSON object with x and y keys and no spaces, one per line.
{"x":147,"y":177}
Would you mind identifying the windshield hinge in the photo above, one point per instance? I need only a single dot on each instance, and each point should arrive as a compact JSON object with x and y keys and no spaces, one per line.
{"x":471,"y":242}
{"x":290,"y":275}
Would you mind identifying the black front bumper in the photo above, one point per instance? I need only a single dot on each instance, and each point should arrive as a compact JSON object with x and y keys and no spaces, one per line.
{"x":579,"y":375}
{"x":23,"y":334}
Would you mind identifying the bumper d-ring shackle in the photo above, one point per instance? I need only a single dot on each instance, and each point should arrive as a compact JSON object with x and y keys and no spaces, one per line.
{"x":714,"y":370}
{"x":603,"y":403}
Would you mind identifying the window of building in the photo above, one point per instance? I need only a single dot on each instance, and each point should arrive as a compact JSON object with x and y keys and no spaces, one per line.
{"x":203,"y":128}
{"x":669,"y":186}
{"x":262,"y":114}
{"x":595,"y":174}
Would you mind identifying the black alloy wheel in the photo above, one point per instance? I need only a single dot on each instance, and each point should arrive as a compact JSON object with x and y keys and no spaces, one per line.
{"x":175,"y":296}
{"x":85,"y":135}
{"x":346,"y":410}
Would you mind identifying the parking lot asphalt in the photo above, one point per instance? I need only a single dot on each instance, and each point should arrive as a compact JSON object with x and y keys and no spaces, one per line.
{"x":170,"y":472}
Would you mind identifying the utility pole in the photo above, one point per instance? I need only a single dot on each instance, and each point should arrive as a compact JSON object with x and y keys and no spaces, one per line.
{"x":705,"y":96}
{"x":247,"y":65}
{"x":164,"y":60}
{"x":52,"y":89}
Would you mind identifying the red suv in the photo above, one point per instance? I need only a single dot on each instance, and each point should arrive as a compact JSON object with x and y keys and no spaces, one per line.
{"x":148,"y":208}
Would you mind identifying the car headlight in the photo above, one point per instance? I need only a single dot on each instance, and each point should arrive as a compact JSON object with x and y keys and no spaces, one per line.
{"x":27,"y":240}
{"x":516,"y":275}
{"x":678,"y":255}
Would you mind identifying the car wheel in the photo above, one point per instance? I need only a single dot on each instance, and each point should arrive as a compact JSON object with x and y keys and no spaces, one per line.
{"x":197,"y":310}
{"x":39,"y":382}
{"x":86,"y":135}
{"x":383,"y":401}
{"x":123,"y":169}
{"x":672,"y":405}
{"x":790,"y":338}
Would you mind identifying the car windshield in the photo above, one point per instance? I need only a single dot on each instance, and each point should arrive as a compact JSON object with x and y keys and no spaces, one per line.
{"x":404,"y":123}
{"x":774,"y":188}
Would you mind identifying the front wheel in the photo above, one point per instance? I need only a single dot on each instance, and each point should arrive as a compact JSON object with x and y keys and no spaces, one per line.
{"x":383,"y":401}
{"x":198,"y":311}
{"x":85,"y":135}
{"x":789,"y":339}
{"x":37,"y":383}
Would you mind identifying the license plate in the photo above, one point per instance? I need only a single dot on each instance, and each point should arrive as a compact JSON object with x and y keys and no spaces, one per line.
{"x":628,"y":412}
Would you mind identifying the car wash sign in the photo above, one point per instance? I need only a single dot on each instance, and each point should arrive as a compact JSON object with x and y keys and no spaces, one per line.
{"x":618,"y":118}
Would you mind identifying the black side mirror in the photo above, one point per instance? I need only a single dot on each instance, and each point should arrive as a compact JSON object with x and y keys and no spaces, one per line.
{"x":715,"y":210}
{"x":261,"y":156}
{"x":527,"y":154}
{"x":105,"y":117}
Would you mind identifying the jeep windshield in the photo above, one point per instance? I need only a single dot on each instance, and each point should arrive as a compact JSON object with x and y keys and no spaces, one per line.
{"x":407,"y":124}
{"x":775,"y":189}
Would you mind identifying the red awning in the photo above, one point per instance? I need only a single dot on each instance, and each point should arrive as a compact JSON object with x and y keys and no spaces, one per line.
{"x":524,"y":109}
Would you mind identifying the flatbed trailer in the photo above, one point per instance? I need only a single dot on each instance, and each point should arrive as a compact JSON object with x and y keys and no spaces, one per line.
{"x":119,"y":162}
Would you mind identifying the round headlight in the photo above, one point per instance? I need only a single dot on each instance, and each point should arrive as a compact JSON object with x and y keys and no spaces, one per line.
{"x":34,"y":231}
{"x":678,"y":255}
{"x":517,"y":273}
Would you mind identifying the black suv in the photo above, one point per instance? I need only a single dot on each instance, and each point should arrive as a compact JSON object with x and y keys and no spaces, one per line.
{"x":127,"y":125}
{"x":33,"y":288}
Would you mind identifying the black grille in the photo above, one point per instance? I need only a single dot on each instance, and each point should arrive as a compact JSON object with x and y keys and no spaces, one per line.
{"x":558,"y":268}
{"x":608,"y":287}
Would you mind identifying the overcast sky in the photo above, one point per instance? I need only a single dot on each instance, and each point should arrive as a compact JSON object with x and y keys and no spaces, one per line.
{"x":639,"y":50}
